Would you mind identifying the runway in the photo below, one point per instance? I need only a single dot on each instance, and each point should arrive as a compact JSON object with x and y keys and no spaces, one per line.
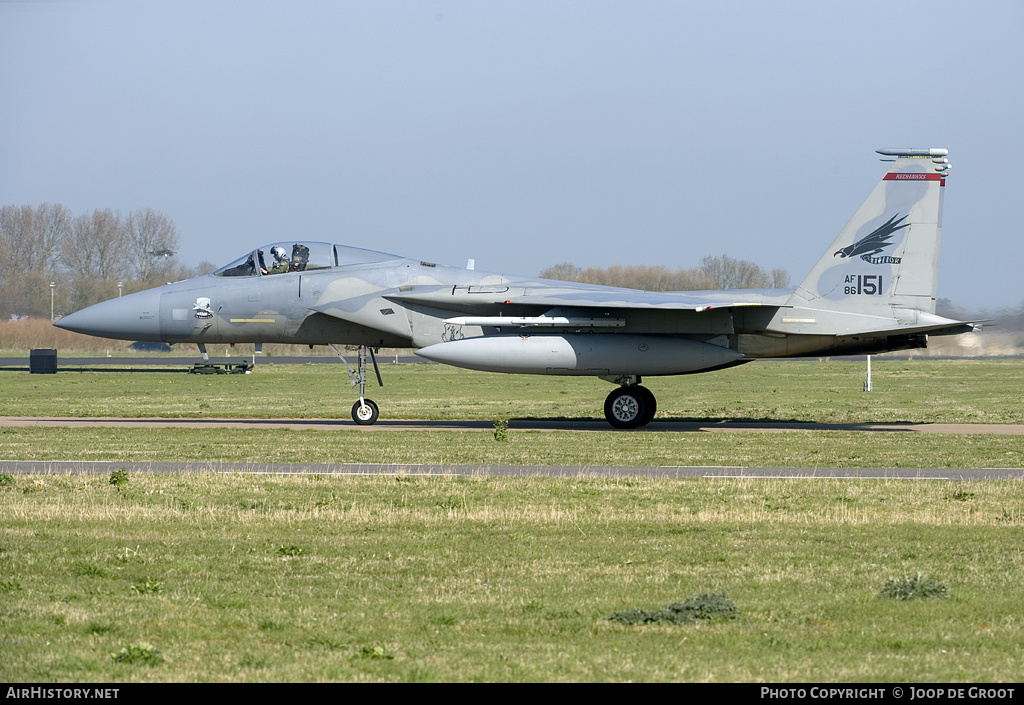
{"x":657,"y":426}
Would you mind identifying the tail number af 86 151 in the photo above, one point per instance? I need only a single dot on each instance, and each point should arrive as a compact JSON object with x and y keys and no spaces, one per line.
{"x":863,"y":284}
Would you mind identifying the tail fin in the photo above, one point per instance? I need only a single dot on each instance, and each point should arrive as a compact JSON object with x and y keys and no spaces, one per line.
{"x":887,"y":256}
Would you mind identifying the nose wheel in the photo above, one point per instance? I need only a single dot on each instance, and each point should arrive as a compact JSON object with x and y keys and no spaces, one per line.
{"x":365,"y":412}
{"x":630,"y":406}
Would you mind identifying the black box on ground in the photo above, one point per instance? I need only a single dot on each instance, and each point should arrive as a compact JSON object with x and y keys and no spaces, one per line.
{"x":42,"y":361}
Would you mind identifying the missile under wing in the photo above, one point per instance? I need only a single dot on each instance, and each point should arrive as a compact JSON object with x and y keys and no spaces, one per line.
{"x":873,"y":290}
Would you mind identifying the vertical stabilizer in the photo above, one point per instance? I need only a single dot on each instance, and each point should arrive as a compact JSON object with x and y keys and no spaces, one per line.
{"x":887,"y":257}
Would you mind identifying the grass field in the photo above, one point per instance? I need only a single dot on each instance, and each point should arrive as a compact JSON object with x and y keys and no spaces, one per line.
{"x":254,"y":578}
{"x":920,"y":391}
{"x":214,"y":577}
{"x":948,"y":391}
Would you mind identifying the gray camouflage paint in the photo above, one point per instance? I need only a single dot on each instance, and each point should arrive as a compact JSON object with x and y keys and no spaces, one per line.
{"x":872,"y":291}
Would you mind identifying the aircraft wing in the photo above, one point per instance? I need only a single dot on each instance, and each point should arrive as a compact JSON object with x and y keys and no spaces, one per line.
{"x":594,"y":306}
{"x":467,"y":299}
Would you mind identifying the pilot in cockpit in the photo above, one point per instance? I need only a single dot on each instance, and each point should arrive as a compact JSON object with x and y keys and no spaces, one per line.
{"x":281,"y":263}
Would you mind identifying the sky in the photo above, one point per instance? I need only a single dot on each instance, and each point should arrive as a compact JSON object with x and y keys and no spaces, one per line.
{"x":521,"y":134}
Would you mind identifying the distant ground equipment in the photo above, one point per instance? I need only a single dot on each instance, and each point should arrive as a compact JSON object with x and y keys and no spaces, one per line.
{"x":234,"y":368}
{"x":42,"y":361}
{"x":150,"y":347}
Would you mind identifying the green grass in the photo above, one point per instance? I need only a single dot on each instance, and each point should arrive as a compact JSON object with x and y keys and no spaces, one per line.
{"x":210,"y":577}
{"x":982,"y":391}
{"x":922,"y":391}
{"x":522,"y":447}
{"x":218,"y":577}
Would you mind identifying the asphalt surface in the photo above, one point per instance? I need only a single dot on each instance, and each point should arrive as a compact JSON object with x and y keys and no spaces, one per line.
{"x":346,"y":424}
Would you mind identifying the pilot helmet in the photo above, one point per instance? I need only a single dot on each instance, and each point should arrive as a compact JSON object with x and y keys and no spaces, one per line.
{"x":278,"y":252}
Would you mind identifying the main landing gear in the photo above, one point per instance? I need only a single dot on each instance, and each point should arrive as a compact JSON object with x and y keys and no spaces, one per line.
{"x":364,"y":411}
{"x":630,"y":405}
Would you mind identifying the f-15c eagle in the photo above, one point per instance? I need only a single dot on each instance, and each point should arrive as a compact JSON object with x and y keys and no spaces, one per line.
{"x":872,"y":291}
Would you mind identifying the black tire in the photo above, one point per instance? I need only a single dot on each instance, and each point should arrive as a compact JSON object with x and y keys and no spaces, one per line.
{"x":629,"y":407}
{"x":364,"y":416}
{"x":652,"y":404}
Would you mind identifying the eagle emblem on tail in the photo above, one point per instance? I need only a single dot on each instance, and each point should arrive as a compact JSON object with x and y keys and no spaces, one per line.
{"x":872,"y":244}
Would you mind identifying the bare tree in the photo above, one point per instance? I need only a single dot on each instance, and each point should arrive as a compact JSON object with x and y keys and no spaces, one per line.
{"x":152,"y":241}
{"x":566,"y":272}
{"x":12,"y":227}
{"x":87,"y":256}
{"x":780,"y":278}
{"x":31,"y":235}
{"x":649,"y":278}
{"x":97,"y":246}
{"x":729,"y":273}
{"x":53,"y":225}
{"x":722,"y":272}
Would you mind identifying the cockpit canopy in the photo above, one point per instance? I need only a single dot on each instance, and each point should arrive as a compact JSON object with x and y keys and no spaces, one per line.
{"x":292,"y":256}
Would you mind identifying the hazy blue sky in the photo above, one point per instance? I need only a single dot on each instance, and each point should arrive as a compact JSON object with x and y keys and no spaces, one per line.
{"x":521,"y":134}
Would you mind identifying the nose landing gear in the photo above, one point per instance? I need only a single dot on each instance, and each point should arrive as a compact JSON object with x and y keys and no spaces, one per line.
{"x":364,"y":411}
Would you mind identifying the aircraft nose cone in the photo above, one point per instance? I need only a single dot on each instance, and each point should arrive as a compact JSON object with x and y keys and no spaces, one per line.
{"x":132,"y":317}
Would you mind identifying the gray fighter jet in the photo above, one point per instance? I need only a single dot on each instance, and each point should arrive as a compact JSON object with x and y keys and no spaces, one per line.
{"x":872,"y":291}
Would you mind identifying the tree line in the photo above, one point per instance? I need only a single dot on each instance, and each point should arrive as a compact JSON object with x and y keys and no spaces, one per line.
{"x":85,"y":257}
{"x":721,"y":272}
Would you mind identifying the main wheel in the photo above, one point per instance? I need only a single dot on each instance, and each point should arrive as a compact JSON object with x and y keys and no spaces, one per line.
{"x":630,"y":407}
{"x":652,"y":403}
{"x":366,"y":413}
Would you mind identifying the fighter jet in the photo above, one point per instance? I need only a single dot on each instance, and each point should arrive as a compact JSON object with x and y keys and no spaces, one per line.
{"x":872,"y":291}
